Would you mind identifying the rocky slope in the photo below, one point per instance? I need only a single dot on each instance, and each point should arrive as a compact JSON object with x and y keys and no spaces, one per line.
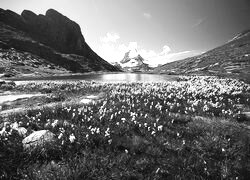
{"x":230,"y":59}
{"x":52,"y":39}
{"x":132,"y":61}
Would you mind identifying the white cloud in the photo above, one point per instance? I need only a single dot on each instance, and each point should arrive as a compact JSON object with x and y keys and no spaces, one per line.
{"x":111,"y":52}
{"x":147,"y":15}
{"x":132,"y":45}
{"x":110,"y":37}
{"x":147,"y":53}
{"x":166,"y":56}
{"x":114,"y":52}
{"x":178,"y":53}
{"x":165,"y":50}
{"x":170,"y":57}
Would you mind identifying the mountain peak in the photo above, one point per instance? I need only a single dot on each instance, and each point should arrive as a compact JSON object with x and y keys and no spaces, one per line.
{"x":133,"y":61}
{"x":53,"y":37}
{"x":52,"y":12}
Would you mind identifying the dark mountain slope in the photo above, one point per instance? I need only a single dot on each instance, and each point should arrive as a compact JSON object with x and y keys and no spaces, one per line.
{"x":52,"y":37}
{"x":230,"y":59}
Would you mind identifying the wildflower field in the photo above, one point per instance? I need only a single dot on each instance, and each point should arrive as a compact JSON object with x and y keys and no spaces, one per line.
{"x":192,"y":128}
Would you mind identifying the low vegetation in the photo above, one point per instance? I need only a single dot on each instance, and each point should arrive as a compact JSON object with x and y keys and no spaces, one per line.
{"x":185,"y":129}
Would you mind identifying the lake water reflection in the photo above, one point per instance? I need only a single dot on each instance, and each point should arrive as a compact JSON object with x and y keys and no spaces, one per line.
{"x":112,"y":77}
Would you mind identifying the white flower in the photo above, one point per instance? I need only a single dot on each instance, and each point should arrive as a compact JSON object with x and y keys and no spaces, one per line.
{"x":14,"y":125}
{"x":3,"y":132}
{"x":98,"y":130}
{"x":160,"y":128}
{"x":54,"y":123}
{"x":60,"y":135}
{"x":107,"y":132}
{"x":157,"y":170}
{"x":183,"y":142}
{"x":110,"y":141}
{"x":72,"y":138}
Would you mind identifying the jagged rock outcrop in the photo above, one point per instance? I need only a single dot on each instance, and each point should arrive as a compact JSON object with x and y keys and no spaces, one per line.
{"x":56,"y":31}
{"x":133,"y":61}
{"x":53,"y":37}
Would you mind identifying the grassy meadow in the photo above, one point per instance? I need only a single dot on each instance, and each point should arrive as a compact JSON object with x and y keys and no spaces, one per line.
{"x":191,"y":128}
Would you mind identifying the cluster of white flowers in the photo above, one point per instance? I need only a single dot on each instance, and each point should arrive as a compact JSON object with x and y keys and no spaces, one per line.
{"x":140,"y":104}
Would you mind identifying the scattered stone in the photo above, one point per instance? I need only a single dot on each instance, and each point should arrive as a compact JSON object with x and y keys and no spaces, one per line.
{"x":38,"y":139}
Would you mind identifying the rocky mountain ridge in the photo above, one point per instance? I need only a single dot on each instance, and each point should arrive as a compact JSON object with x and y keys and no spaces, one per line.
{"x":52,"y":37}
{"x":134,"y":62}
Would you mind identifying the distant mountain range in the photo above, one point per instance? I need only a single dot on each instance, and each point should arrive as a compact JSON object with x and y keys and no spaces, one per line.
{"x":133,"y":62}
{"x":45,"y":45}
{"x":230,"y":59}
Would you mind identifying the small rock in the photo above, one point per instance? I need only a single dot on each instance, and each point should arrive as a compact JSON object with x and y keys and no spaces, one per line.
{"x":38,"y":139}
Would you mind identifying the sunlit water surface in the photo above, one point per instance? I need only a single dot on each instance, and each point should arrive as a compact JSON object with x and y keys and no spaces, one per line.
{"x":113,"y":77}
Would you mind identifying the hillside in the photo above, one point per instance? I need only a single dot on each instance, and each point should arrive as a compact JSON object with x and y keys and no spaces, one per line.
{"x":53,"y":42}
{"x":230,"y":59}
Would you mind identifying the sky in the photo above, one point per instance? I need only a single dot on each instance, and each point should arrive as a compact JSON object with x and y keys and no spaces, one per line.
{"x":161,"y":30}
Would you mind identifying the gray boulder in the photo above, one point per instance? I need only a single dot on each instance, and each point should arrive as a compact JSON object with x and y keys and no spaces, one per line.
{"x":38,"y":139}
